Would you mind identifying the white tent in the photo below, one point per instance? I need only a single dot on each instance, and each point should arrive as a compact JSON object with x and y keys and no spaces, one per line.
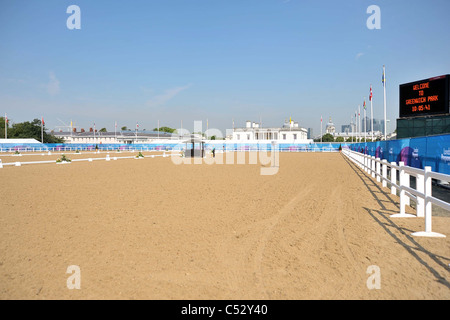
{"x":19,"y":141}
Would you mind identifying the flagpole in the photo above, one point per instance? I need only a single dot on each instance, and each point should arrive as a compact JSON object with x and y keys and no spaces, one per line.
{"x":371,"y":112}
{"x":359,"y":122}
{"x":384,"y":98}
{"x":351,"y":127}
{"x":158,"y":129}
{"x":320,"y":129}
{"x":6,"y":126}
{"x":115,"y":131}
{"x":42,"y":130}
{"x":365,"y":122}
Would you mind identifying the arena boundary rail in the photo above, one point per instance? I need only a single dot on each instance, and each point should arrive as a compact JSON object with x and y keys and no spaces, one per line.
{"x":378,"y":169}
{"x":107,"y":158}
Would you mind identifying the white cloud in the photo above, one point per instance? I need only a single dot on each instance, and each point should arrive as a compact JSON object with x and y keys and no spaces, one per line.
{"x":161,"y":99}
{"x":53,"y":85}
{"x":359,"y":55}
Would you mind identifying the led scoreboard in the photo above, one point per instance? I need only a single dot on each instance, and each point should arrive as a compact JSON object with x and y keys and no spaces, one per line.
{"x":425,"y":97}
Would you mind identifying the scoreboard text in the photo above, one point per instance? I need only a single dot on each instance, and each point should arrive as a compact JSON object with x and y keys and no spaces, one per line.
{"x":425,"y":97}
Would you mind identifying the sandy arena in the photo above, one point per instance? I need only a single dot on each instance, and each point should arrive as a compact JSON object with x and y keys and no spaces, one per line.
{"x":150,"y":229}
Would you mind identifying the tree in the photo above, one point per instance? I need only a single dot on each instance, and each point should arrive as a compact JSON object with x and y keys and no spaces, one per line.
{"x":102,"y":130}
{"x":2,"y":127}
{"x":327,"y":137}
{"x":124,"y":128}
{"x":340,"y":139}
{"x":165,"y":129}
{"x":31,"y":130}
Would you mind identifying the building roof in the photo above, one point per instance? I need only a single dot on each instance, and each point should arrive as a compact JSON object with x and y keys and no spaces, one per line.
{"x":119,"y":134}
{"x":18,"y":141}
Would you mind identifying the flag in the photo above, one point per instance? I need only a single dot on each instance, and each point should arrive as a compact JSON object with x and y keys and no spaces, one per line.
{"x":42,"y":120}
{"x":370,"y":96}
{"x":6,"y":119}
{"x":364,"y":105}
{"x":137,"y":125}
{"x":383,"y":79}
{"x":290,"y":120}
{"x":320,"y":118}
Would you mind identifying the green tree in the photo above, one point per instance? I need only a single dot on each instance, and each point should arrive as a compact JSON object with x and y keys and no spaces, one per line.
{"x":102,"y":130}
{"x":327,"y":137}
{"x":340,"y":139}
{"x":165,"y":129}
{"x":2,"y":128}
{"x":124,"y":128}
{"x":31,"y":130}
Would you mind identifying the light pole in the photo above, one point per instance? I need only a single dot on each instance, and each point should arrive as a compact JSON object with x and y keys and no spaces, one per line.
{"x":387,"y":125}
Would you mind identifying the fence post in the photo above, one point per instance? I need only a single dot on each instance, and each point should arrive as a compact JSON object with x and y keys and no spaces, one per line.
{"x":420,"y":187}
{"x":372,"y":165}
{"x":403,"y":196}
{"x":377,"y":164}
{"x":366,"y":163}
{"x":428,"y":212}
{"x":1,"y":164}
{"x":406,"y":183}
{"x":393,"y":178}
{"x":402,"y":192}
{"x":384,"y":173}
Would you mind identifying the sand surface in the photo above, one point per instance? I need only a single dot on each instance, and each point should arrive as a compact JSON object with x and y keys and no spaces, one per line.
{"x":150,"y":229}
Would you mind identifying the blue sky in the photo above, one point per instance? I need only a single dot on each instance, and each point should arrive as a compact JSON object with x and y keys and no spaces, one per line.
{"x":186,"y":60}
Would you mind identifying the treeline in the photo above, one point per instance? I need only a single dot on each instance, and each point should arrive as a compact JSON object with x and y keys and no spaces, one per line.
{"x":26,"y":130}
{"x":327,"y":137}
{"x":165,"y":129}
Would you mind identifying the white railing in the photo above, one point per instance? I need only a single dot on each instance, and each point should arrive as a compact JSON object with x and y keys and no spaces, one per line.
{"x":107,"y":158}
{"x":422,"y":194}
{"x":132,"y":148}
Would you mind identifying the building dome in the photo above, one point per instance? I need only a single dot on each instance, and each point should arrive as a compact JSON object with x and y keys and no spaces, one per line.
{"x":330,"y":128}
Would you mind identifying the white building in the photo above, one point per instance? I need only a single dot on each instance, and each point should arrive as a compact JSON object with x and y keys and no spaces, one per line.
{"x":290,"y":132}
{"x":126,"y":137}
{"x":330,"y":128}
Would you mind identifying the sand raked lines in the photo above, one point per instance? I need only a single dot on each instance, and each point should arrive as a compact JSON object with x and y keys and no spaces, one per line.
{"x":155,"y":230}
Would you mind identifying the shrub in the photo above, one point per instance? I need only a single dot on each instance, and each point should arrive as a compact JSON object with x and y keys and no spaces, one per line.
{"x":63,"y":159}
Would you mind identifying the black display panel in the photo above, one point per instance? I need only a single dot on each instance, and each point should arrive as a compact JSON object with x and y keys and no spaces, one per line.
{"x":425,"y":97}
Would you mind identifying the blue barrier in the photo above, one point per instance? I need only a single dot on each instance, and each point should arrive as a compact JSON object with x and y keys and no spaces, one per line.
{"x":433,"y":151}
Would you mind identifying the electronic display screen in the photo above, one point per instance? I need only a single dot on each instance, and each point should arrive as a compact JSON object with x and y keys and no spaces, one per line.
{"x":425,"y":97}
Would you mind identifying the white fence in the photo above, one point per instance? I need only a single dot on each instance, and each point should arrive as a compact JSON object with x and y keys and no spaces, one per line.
{"x":107,"y":158}
{"x":422,"y":194}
